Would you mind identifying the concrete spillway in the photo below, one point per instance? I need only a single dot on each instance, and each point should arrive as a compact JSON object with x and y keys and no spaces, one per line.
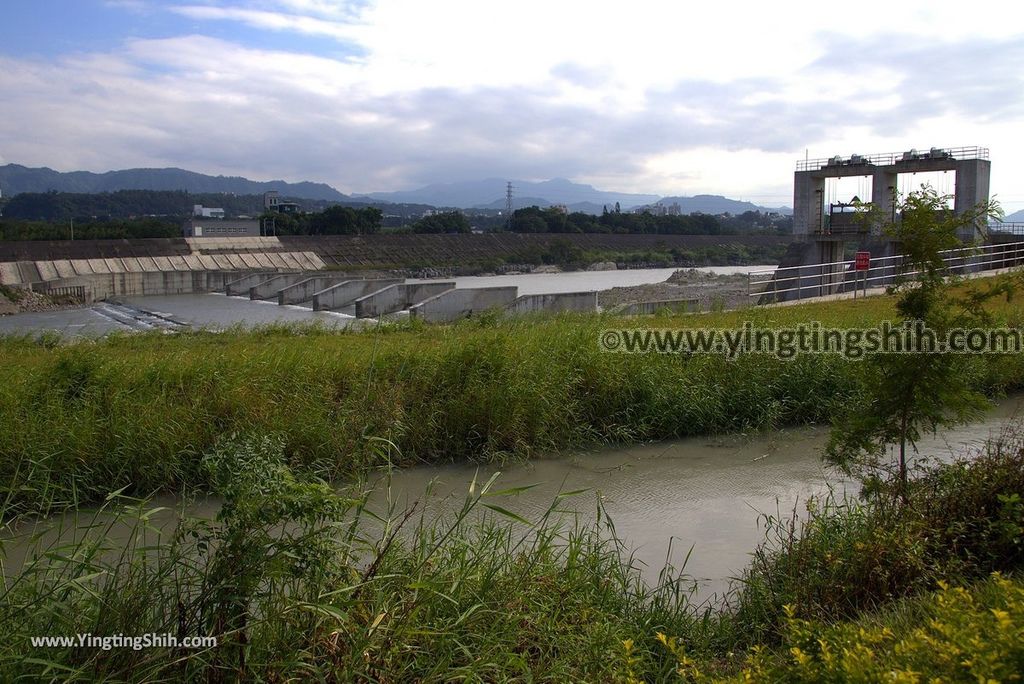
{"x":269,"y":288}
{"x":455,"y":304}
{"x":398,"y":297}
{"x":346,"y":293}
{"x":304,"y":290}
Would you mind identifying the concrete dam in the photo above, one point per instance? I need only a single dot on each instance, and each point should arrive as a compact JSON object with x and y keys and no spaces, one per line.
{"x":311,"y":270}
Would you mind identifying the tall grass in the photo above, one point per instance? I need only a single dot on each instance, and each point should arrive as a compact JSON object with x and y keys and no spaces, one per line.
{"x":78,"y":420}
{"x":300,"y":583}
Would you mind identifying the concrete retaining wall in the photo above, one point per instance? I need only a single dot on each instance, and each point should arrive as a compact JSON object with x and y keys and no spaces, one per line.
{"x":459,"y":303}
{"x":562,"y":301}
{"x":304,"y":290}
{"x":345,"y":293}
{"x":103,"y":286}
{"x":26,"y":272}
{"x":397,"y":297}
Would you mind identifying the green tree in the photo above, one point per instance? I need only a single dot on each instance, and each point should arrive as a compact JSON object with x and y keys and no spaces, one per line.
{"x":443,"y":222}
{"x":905,"y":394}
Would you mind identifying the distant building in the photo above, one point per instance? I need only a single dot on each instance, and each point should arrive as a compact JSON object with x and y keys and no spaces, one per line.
{"x":660,"y":209}
{"x":272,"y":202}
{"x":207,"y":212}
{"x":220,"y":228}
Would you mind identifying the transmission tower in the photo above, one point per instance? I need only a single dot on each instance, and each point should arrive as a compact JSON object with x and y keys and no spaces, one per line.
{"x":508,"y":206}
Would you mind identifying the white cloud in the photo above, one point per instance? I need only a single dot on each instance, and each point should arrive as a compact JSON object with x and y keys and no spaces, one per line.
{"x":274,"y":21}
{"x":673,"y":98}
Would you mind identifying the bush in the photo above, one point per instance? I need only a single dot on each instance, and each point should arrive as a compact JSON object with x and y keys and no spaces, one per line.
{"x":964,"y":520}
{"x":958,"y":636}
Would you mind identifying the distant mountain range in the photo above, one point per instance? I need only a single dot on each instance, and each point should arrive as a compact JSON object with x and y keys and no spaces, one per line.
{"x":490,"y":194}
{"x":1015,"y":217}
{"x":15,"y":179}
{"x":482,"y":194}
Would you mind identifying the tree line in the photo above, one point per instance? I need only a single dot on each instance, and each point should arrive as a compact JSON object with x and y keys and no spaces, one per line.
{"x":334,"y":220}
{"x":554,"y":220}
{"x":123,"y":204}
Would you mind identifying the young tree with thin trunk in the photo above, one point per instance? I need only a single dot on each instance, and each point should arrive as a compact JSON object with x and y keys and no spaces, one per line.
{"x":921,"y":389}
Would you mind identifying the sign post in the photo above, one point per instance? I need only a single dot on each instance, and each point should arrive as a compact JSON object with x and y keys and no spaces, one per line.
{"x":861,"y":263}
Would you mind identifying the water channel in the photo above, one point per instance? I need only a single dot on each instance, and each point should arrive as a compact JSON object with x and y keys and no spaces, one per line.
{"x":704,"y":493}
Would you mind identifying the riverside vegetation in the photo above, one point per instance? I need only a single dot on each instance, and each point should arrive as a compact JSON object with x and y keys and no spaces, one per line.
{"x":300,"y":581}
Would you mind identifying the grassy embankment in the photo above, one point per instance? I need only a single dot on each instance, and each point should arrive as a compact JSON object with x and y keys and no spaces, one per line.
{"x":138,"y":411}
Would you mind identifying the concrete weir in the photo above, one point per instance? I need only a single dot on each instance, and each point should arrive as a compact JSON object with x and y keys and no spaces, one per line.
{"x":674,"y":305}
{"x":242,"y":284}
{"x":561,"y":301}
{"x":459,"y":303}
{"x":398,"y":297}
{"x":345,"y":293}
{"x":304,"y":290}
{"x":269,"y":288}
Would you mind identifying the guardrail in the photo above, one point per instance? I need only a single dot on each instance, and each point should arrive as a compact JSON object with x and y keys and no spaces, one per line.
{"x":1010,"y":228}
{"x":817,"y":280}
{"x":889,"y":158}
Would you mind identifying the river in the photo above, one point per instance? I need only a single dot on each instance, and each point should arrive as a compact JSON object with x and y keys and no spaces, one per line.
{"x":704,"y":493}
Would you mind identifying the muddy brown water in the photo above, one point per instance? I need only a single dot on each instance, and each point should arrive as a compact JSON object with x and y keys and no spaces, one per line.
{"x":705,"y":494}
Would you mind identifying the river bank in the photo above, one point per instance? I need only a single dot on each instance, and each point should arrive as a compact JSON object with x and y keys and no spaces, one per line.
{"x":15,"y":300}
{"x":286,"y":584}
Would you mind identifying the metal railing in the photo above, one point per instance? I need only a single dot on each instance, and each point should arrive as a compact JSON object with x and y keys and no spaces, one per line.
{"x":1008,"y":228}
{"x":817,"y":280}
{"x":890,"y":158}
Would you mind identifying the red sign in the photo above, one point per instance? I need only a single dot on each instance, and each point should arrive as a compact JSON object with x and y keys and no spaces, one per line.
{"x":862,"y":261}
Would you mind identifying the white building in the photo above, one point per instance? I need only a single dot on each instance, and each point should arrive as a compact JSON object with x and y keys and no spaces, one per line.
{"x":200,"y":211}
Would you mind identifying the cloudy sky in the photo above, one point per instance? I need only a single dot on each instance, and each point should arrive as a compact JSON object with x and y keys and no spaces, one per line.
{"x":672,"y":98}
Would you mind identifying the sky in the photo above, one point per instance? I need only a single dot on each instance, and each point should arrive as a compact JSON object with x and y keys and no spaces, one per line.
{"x":663,"y":97}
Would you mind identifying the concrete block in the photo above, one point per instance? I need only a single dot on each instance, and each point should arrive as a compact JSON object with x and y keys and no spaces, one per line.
{"x":240,"y":283}
{"x":304,"y":290}
{"x":9,"y":273}
{"x":47,"y":271}
{"x":99,"y":265}
{"x":459,"y":303}
{"x":148,"y":264}
{"x":269,"y":287}
{"x":290,"y":261}
{"x":64,"y":268}
{"x":178,"y":263}
{"x":346,"y":292}
{"x":562,"y":301}
{"x":397,"y":297}
{"x":223,"y":262}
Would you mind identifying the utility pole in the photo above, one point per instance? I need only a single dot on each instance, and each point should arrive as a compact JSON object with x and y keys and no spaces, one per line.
{"x":508,"y":206}
{"x":72,"y":227}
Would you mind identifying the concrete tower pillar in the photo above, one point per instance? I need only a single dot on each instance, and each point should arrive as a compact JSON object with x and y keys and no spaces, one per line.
{"x":883,"y":196}
{"x":808,"y":199}
{"x":972,"y":184}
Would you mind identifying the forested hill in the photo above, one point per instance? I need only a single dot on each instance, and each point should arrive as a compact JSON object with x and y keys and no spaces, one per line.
{"x":61,"y":206}
{"x":15,"y":179}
